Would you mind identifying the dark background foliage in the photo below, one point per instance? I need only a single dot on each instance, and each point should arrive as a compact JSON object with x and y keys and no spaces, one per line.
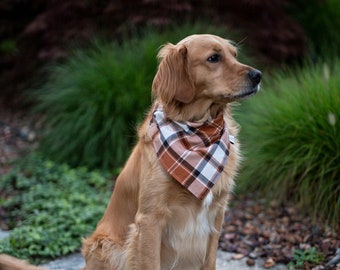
{"x":33,"y":33}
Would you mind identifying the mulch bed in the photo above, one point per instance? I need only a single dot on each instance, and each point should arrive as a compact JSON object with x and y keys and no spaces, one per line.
{"x":252,"y":228}
{"x":17,"y":135}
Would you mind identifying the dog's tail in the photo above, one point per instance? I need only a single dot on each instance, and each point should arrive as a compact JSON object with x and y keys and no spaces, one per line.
{"x":11,"y":263}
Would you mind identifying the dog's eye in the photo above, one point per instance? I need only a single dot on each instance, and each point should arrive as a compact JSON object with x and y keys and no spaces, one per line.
{"x":214,"y":58}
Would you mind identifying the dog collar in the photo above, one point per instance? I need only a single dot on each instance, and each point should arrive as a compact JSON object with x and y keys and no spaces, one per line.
{"x":194,"y":154}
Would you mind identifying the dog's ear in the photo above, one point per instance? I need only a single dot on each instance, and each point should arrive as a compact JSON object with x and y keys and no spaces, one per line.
{"x":172,"y":80}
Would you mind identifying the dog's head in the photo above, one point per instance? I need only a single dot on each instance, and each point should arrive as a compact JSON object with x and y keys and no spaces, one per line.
{"x":199,"y":72}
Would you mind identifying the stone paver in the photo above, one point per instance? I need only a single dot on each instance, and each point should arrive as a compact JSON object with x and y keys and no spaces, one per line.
{"x":224,"y":261}
{"x":70,"y":262}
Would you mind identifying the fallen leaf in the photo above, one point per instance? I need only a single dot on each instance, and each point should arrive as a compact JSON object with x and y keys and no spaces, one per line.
{"x":269,"y":263}
{"x":238,"y":256}
{"x":250,"y":262}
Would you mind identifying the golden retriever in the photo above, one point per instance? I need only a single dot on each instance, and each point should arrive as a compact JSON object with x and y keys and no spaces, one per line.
{"x":153,"y":221}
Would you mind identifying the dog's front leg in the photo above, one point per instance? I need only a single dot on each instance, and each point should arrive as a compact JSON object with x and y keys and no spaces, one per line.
{"x":143,"y":250}
{"x":144,"y":243}
{"x":210,"y":261}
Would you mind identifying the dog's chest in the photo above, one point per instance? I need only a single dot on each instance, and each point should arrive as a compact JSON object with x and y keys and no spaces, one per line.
{"x":187,"y":235}
{"x":200,"y":225}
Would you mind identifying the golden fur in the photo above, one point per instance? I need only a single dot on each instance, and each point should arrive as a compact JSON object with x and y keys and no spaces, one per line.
{"x":151,"y":221}
{"x":10,"y":263}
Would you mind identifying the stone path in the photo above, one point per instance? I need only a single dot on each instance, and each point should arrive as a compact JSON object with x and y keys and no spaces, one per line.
{"x":224,"y":261}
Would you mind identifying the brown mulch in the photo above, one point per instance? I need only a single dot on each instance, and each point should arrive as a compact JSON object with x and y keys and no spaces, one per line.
{"x":18,"y":135}
{"x":252,"y":228}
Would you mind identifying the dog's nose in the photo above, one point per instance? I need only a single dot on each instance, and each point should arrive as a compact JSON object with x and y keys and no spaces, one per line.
{"x":255,"y":76}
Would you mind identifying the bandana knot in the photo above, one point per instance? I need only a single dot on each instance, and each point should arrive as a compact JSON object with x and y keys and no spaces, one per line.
{"x":194,"y":154}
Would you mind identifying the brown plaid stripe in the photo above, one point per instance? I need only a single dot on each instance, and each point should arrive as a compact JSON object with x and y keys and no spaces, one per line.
{"x":194,"y":154}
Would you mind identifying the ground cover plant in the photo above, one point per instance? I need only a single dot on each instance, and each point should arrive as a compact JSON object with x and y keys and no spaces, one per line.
{"x":93,"y":101}
{"x":50,"y":207}
{"x":308,"y":258}
{"x":291,"y":133}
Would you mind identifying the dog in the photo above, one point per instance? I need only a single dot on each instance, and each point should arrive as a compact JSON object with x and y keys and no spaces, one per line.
{"x":168,"y":203}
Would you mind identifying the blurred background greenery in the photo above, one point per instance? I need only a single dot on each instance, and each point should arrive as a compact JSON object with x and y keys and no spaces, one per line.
{"x":87,"y":66}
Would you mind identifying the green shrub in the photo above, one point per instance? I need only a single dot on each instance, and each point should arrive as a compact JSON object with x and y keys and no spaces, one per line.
{"x":93,"y":101}
{"x":51,"y":207}
{"x":291,"y":136}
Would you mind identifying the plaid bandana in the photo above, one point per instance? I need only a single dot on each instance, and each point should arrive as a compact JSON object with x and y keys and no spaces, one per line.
{"x":193,"y":153}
